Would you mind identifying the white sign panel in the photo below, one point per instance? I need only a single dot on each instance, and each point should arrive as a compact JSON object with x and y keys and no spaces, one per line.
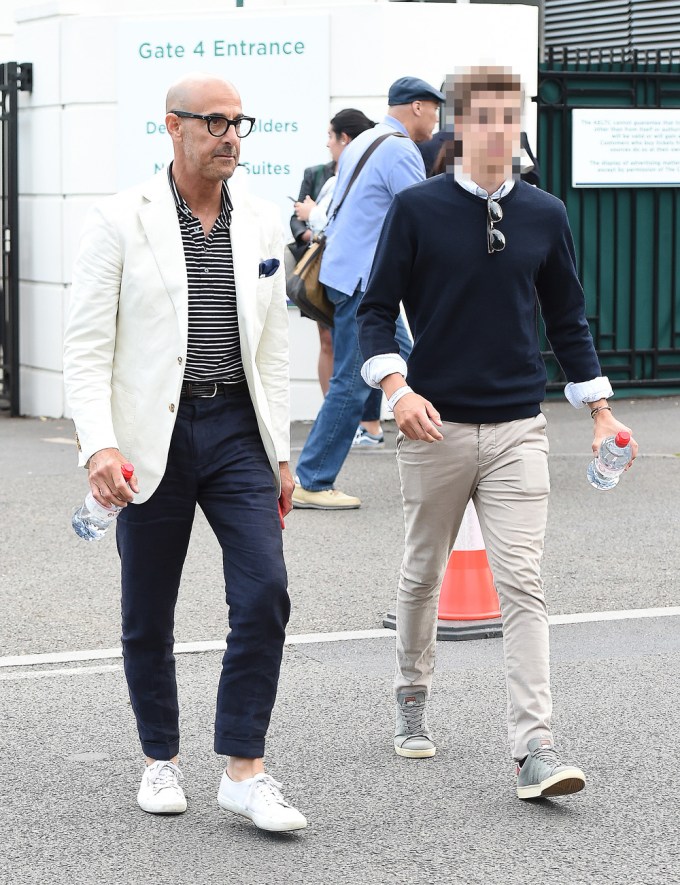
{"x":280,"y":66}
{"x":613,"y":147}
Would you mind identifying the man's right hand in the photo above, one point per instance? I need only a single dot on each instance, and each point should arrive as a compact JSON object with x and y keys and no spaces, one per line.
{"x":106,"y":479}
{"x":416,"y":417}
{"x":303,"y":210}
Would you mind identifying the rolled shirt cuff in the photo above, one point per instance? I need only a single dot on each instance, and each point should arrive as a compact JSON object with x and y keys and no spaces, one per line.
{"x":378,"y":367}
{"x":588,"y":391}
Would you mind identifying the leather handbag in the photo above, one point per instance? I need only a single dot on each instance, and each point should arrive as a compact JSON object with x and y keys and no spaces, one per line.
{"x":303,"y":287}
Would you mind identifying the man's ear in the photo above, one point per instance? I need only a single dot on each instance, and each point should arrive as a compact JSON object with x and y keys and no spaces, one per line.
{"x":172,"y":124}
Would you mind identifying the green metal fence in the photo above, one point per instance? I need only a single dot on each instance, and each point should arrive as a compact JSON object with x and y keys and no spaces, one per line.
{"x":627,"y":239}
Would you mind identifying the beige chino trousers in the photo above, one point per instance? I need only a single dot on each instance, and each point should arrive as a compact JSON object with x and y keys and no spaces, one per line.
{"x":504,"y":469}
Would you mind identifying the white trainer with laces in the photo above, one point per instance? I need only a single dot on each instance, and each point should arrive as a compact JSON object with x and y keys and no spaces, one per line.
{"x":259,"y":798}
{"x":160,"y":792}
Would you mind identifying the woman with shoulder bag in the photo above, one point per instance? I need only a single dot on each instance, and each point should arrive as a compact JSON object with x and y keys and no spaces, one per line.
{"x":310,"y":210}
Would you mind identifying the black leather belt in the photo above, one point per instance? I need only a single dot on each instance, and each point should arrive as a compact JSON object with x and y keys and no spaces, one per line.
{"x":210,"y":389}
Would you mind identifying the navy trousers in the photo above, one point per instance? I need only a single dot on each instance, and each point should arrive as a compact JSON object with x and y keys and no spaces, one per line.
{"x":217,"y":461}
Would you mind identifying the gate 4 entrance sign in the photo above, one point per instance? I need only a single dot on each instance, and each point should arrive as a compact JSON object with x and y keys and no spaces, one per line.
{"x":280,"y":66}
{"x":615,"y":147}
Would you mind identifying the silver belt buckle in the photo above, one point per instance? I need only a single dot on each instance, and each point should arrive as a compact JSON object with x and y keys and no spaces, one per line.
{"x":214,"y":393}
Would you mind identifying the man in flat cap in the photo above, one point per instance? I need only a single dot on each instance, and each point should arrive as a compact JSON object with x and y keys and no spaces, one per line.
{"x":396,"y":163}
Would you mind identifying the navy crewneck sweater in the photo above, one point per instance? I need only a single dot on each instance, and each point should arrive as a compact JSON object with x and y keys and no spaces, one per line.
{"x":473,"y":316}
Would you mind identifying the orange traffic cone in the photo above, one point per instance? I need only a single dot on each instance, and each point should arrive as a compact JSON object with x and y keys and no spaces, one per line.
{"x":468,"y":602}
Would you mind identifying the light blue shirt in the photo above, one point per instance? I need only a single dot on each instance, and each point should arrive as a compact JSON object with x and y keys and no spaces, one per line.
{"x":353,"y":233}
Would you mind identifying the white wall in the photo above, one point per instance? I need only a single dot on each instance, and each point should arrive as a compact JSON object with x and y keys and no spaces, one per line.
{"x":68,"y":130}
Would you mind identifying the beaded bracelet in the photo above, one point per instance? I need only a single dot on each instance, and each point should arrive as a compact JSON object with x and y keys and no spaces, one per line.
{"x":599,"y":409}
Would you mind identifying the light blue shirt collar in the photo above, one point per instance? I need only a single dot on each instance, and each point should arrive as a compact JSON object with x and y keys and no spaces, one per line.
{"x":395,"y":124}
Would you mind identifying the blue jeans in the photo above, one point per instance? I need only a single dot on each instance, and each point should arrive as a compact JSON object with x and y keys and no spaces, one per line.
{"x":217,"y":461}
{"x":331,"y":436}
{"x":374,"y":402}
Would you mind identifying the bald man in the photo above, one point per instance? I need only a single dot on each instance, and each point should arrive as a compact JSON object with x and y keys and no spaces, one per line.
{"x":176,"y":359}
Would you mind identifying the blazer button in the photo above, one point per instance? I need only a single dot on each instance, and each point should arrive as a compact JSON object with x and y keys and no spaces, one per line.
{"x":179,"y":360}
{"x":172,"y":407}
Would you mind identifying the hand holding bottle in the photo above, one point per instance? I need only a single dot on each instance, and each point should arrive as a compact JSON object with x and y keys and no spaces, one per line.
{"x":92,"y":519}
{"x":606,"y":425}
{"x":107,"y":484}
{"x":612,"y":458}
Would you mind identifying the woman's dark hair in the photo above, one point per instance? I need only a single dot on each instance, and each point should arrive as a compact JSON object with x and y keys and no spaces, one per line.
{"x":352,"y":122}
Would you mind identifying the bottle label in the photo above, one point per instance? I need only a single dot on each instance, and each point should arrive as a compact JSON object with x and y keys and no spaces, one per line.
{"x":99,"y":511}
{"x":608,"y":470}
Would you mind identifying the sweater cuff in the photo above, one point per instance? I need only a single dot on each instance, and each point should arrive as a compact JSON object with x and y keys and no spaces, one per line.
{"x":378,"y":367}
{"x":588,"y":391}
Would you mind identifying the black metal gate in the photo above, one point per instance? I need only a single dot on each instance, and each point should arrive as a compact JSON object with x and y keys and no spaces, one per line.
{"x":14,"y":78}
{"x":627,"y":239}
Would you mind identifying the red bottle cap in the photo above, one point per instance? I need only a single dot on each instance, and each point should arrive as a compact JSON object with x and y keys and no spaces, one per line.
{"x":622,"y":439}
{"x":127,"y":470}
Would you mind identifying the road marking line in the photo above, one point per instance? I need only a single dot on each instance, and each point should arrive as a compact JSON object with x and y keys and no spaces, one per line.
{"x":63,"y":657}
{"x":71,"y":657}
{"x":631,"y":613}
{"x":61,"y":440}
{"x":581,"y":456}
{"x":62,"y":671}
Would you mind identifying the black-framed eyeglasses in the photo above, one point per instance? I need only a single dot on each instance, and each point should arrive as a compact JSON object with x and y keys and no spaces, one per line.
{"x":219,"y":125}
{"x":495,"y":238}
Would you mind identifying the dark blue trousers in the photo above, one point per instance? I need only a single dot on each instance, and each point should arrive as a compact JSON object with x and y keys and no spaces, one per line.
{"x":217,"y":461}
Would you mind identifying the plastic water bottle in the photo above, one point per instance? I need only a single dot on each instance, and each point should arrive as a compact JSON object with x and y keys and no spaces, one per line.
{"x":91,"y":519}
{"x":605,"y":470}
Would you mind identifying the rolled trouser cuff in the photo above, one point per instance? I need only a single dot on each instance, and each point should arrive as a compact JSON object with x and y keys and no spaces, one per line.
{"x":242,"y":747}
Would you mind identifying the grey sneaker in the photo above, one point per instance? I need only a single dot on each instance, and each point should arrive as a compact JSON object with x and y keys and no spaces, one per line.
{"x":412,"y":737}
{"x":544,"y":774}
{"x":367,"y":442}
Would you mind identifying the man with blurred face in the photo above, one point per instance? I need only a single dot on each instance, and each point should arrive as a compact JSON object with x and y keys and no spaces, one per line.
{"x":176,"y":359}
{"x":472,"y":254}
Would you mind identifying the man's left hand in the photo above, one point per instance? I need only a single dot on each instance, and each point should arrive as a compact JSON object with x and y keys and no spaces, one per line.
{"x":287,"y":486}
{"x":607,"y":425}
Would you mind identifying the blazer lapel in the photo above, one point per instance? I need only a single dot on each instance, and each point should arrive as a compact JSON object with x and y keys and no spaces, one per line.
{"x":245,"y":244}
{"x":159,"y":220}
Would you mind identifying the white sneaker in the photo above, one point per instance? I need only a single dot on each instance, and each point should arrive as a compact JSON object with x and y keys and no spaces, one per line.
{"x":260,"y":799}
{"x":160,"y":792}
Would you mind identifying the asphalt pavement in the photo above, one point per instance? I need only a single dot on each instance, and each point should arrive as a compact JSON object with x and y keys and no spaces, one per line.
{"x":70,"y":761}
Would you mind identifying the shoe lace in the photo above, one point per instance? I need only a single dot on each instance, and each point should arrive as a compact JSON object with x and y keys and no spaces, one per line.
{"x":166,"y":775}
{"x":269,"y":790}
{"x":413,"y":716}
{"x":547,"y":755}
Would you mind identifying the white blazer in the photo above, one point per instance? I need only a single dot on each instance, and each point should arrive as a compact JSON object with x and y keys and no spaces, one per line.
{"x":126,"y":336}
